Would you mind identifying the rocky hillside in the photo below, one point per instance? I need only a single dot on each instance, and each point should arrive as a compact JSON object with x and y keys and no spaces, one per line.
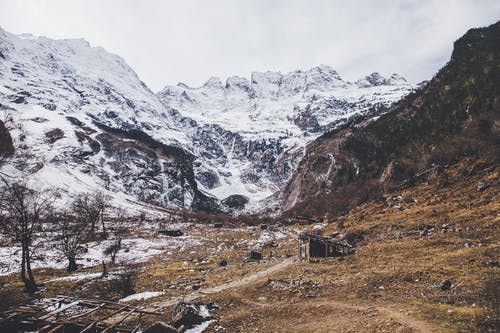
{"x":86,"y":121}
{"x":70,"y":105}
{"x":456,"y":115}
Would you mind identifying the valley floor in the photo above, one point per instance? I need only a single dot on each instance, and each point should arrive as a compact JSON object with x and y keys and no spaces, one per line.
{"x":445,"y":229}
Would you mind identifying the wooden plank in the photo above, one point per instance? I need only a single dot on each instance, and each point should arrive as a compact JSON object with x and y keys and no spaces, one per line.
{"x":61,"y":309}
{"x":138,"y":324}
{"x":88,"y":311}
{"x":111,"y":305}
{"x":114,"y":313}
{"x":12,"y":316}
{"x":57,"y":328}
{"x":119,"y":322}
{"x":46,"y":327}
{"x":89,"y":327}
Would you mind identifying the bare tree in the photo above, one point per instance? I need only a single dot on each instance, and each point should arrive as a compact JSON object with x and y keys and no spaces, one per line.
{"x":101,"y":201}
{"x":23,"y":212}
{"x":72,"y":235}
{"x":118,"y":231}
{"x":90,"y":208}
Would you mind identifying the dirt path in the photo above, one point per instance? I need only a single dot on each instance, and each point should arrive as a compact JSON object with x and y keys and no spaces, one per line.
{"x":229,"y":285}
{"x":381,"y":310}
{"x":408,"y":320}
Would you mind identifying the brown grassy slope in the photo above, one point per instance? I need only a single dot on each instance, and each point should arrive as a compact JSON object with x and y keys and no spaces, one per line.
{"x":392,"y":283}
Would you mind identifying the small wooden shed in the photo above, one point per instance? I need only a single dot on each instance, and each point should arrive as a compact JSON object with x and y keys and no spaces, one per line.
{"x":172,"y":232}
{"x":255,"y":255}
{"x":315,"y":246}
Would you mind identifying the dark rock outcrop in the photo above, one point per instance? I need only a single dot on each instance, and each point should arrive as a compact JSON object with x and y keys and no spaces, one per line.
{"x":6,"y":146}
{"x":235,"y":202}
{"x":156,"y":173}
{"x":54,"y":135}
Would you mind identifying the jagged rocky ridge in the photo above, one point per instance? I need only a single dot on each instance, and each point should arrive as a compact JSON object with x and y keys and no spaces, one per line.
{"x":456,"y":115}
{"x":86,"y":121}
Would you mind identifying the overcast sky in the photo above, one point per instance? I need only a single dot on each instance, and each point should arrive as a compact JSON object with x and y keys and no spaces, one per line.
{"x":189,"y":41}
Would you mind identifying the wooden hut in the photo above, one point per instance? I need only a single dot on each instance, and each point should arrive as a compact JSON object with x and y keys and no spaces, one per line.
{"x":315,"y":246}
{"x":172,"y":232}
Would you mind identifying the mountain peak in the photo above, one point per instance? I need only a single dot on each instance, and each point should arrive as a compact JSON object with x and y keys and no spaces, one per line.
{"x":376,"y":79}
{"x":213,"y":82}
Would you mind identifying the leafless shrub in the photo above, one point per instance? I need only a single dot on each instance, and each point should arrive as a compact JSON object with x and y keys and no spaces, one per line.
{"x":125,"y":281}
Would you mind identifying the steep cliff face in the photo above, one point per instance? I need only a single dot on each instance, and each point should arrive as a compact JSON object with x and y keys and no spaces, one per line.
{"x":86,"y":122}
{"x":456,"y":114}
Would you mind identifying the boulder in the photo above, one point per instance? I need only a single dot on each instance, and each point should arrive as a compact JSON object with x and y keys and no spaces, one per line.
{"x":189,"y":315}
{"x":482,"y":185}
{"x":446,"y":285}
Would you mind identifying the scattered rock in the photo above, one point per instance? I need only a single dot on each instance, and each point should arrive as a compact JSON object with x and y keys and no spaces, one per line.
{"x":446,"y":285}
{"x":491,"y":263}
{"x":482,"y":185}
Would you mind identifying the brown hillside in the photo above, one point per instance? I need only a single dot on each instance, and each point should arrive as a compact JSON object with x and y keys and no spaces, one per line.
{"x":456,"y":115}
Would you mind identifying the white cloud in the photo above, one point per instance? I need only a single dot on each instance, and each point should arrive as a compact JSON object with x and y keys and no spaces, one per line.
{"x":189,"y":41}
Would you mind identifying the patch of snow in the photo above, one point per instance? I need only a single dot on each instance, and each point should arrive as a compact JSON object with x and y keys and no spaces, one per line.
{"x":200,"y":328}
{"x":143,"y":295}
{"x":76,"y":277}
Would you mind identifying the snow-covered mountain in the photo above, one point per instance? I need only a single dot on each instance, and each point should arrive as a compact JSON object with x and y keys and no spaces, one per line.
{"x":86,"y":121}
